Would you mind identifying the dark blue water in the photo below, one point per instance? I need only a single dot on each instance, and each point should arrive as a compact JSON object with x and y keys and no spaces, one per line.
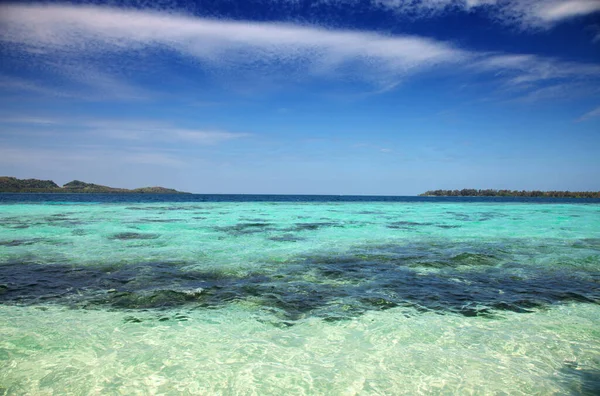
{"x":149,"y":198}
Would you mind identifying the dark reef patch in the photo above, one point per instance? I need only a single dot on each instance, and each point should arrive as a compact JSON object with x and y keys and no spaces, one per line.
{"x":142,"y":286}
{"x":15,"y":225}
{"x":584,"y":381}
{"x":61,"y":220}
{"x":160,"y":221}
{"x":260,"y":220}
{"x":245,"y":228}
{"x":590,"y":243}
{"x":158,"y":209}
{"x":484,"y":216}
{"x":32,"y":241}
{"x":173,"y":207}
{"x":313,"y":226}
{"x":459,"y":216}
{"x":125,"y":236}
{"x":474,"y":259}
{"x":20,"y":242}
{"x":407,"y":225}
{"x":286,"y":238}
{"x":427,"y":277}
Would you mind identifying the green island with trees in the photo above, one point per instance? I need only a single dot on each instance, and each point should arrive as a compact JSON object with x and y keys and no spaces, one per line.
{"x":13,"y":185}
{"x":470,"y":192}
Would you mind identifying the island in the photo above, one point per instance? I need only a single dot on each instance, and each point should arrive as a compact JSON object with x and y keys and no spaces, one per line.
{"x":13,"y":185}
{"x":470,"y":192}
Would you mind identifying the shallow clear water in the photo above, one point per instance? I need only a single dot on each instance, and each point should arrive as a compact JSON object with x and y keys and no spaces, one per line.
{"x":212,"y":296}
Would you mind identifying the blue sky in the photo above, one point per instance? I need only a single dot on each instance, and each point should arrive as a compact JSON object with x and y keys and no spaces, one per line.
{"x":389,"y":97}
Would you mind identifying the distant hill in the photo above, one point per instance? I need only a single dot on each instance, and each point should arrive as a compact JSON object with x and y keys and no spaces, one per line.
{"x":470,"y":192}
{"x":14,"y":185}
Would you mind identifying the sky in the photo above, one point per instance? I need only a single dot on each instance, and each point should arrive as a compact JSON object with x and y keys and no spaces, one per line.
{"x":353,"y":97}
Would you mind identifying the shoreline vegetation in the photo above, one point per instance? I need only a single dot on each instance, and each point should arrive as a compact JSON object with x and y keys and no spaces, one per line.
{"x":14,"y":185}
{"x":470,"y":192}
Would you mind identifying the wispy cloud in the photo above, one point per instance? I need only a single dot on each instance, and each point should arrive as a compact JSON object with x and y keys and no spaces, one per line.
{"x":88,"y":76}
{"x":557,"y":10}
{"x":74,"y":80}
{"x":532,"y":78}
{"x":75,"y":156}
{"x":595,"y":32}
{"x":87,"y":33}
{"x":12,"y":84}
{"x":28,"y":120}
{"x":526,"y":14}
{"x":81,"y":43}
{"x":143,"y":131}
{"x":156,"y":131}
{"x":590,"y":114}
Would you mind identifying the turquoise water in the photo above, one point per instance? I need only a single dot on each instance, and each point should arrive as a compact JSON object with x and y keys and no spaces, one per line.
{"x":423,"y":297}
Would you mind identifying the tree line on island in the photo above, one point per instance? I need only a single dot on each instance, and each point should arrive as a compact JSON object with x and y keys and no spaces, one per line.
{"x":471,"y":192}
{"x":14,"y":185}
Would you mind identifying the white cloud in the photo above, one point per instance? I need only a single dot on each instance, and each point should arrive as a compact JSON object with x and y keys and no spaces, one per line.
{"x":595,"y":32}
{"x":77,"y":43}
{"x":558,"y":91}
{"x":156,"y":131}
{"x":590,"y":114}
{"x":75,"y":81}
{"x":527,"y":68}
{"x":44,"y":121}
{"x":552,"y":11}
{"x":143,"y":131}
{"x":18,"y":85}
{"x":532,"y":78}
{"x":89,"y":34}
{"x":105,"y":85}
{"x":152,"y":158}
{"x":526,"y":14}
{"x":75,"y":157}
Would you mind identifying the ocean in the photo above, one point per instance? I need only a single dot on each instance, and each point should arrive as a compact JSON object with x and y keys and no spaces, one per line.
{"x":298,"y":295}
